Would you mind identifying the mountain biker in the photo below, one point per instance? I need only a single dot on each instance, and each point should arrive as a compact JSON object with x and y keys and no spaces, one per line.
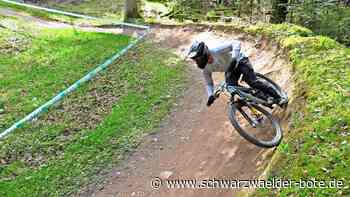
{"x":228,"y":58}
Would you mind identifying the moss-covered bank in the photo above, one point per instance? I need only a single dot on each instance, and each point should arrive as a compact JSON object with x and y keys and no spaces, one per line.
{"x":318,"y":146}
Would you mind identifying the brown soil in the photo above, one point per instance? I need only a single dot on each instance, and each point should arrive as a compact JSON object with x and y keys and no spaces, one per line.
{"x":196,"y":142}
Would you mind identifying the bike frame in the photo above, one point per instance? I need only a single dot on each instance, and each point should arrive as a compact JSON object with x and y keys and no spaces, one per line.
{"x":239,"y":90}
{"x":243,"y":99}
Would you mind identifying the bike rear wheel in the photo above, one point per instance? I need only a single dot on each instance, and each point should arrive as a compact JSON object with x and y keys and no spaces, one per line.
{"x":267,"y":133}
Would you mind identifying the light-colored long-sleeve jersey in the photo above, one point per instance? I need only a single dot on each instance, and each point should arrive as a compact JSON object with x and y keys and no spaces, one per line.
{"x":222,"y":55}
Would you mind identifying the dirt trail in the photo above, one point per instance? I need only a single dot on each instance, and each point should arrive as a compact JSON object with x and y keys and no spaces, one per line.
{"x":196,"y":142}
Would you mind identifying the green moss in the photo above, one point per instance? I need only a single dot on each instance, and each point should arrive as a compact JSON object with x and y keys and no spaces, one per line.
{"x":278,"y":30}
{"x":318,"y":145}
{"x":317,"y":43}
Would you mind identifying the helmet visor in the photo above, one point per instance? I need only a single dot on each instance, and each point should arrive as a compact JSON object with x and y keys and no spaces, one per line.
{"x":192,"y":54}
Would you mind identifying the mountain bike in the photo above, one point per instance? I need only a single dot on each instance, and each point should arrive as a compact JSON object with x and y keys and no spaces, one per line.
{"x":250,"y":112}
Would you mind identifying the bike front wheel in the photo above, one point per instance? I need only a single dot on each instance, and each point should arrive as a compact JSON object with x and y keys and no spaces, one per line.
{"x":255,"y":124}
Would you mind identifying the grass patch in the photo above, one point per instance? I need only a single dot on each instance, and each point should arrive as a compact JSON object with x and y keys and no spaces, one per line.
{"x":58,"y":154}
{"x":93,"y":128}
{"x":98,"y":8}
{"x":35,"y":12}
{"x":53,"y":61}
{"x":101,"y":8}
{"x":318,"y":146}
{"x":25,"y":11}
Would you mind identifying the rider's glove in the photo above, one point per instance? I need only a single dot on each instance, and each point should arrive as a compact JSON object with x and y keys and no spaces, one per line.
{"x":211,"y":100}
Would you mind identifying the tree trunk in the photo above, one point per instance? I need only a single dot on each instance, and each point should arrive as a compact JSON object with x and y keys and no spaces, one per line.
{"x":279,"y":11}
{"x":251,"y":10}
{"x":258,"y":6}
{"x":131,"y":10}
{"x":239,"y":8}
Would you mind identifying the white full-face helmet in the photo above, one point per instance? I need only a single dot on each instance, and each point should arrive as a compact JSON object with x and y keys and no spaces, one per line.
{"x":199,"y":53}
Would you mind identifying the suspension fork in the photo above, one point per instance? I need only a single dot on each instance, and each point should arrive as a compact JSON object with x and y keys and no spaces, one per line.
{"x":253,"y":122}
{"x":254,"y":111}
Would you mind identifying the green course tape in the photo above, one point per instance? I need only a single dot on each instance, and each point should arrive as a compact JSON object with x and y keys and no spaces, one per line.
{"x":71,"y":14}
{"x":81,"y":81}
